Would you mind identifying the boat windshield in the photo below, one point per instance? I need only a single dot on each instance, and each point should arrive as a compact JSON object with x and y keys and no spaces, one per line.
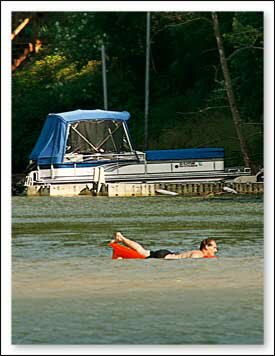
{"x":97,"y":137}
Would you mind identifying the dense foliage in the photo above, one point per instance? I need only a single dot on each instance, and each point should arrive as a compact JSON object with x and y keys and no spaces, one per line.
{"x":188,"y":102}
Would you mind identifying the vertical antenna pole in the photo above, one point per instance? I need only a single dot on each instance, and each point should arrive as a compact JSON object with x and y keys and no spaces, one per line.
{"x":104,"y":77}
{"x":147,"y":66}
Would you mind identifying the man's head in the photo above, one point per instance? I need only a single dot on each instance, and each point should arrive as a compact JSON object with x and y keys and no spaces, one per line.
{"x":209,"y":246}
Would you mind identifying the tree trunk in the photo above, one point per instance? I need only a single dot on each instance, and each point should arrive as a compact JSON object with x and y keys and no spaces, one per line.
{"x":229,"y":90}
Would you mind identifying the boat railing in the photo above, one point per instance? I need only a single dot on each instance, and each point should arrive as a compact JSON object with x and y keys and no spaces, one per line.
{"x":108,"y":156}
{"x":32,"y":177}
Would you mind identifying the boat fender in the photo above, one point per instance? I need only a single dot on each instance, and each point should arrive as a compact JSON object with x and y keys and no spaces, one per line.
{"x":166,"y":192}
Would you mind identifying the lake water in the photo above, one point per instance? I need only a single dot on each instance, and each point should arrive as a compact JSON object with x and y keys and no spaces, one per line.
{"x":66,"y":289}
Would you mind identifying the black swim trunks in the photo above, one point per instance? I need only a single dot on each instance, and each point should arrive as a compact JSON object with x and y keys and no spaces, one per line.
{"x":159,"y":254}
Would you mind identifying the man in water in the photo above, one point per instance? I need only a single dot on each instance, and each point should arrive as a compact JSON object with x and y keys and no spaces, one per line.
{"x":208,"y":248}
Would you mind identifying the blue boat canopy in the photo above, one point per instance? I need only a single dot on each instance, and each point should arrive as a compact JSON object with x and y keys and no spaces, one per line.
{"x":77,"y":115}
{"x":52,"y":142}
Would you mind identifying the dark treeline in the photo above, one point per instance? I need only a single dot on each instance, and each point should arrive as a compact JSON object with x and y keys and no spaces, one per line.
{"x":188,"y":105}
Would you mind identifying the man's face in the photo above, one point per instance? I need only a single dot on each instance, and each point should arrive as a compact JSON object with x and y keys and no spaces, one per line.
{"x":212,"y":247}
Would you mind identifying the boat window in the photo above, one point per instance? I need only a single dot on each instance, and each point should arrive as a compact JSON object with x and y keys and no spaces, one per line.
{"x":97,"y":136}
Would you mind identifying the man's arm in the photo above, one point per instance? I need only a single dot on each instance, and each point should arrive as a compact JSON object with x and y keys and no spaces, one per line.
{"x":196,"y":254}
{"x":189,"y":254}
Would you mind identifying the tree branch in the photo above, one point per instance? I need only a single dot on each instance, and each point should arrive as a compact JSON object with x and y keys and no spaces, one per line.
{"x":180,"y":24}
{"x":203,"y":110}
{"x":241,"y":49}
{"x":20,"y":27}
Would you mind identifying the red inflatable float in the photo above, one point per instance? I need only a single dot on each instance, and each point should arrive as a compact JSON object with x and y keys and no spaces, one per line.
{"x":120,"y":251}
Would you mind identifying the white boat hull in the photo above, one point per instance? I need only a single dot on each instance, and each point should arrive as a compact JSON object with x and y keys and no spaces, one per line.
{"x":140,"y":172}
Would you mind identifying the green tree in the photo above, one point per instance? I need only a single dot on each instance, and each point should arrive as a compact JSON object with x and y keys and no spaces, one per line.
{"x":187,"y":96}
